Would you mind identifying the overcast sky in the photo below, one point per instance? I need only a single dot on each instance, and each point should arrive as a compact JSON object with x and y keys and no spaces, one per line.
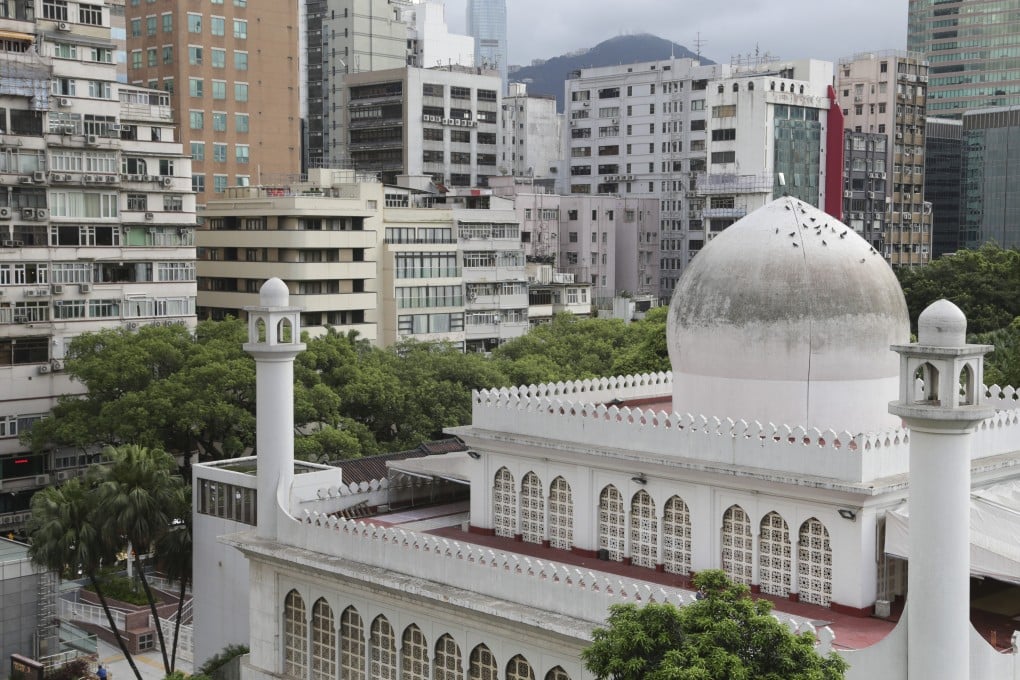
{"x":825,"y":29}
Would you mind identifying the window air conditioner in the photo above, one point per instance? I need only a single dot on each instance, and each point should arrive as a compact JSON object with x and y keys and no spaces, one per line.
{"x":44,"y":368}
{"x":57,"y":365}
{"x":67,"y":129}
{"x":91,"y":140}
{"x":63,"y":26}
{"x":65,"y":102}
{"x":25,"y":179}
{"x":42,"y":214}
{"x":112,"y":179}
{"x":88,"y":178}
{"x":5,"y":212}
{"x":38,"y":176}
{"x":85,"y":287}
{"x":28,"y":213}
{"x":167,"y":181}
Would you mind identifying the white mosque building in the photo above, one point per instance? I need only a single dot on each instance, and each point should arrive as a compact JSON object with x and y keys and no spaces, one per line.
{"x":796,"y":425}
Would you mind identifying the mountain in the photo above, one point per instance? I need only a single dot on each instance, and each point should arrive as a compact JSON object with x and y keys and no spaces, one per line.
{"x":548,"y":77}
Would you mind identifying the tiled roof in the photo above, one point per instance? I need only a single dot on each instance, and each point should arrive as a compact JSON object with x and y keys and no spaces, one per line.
{"x":374,"y":467}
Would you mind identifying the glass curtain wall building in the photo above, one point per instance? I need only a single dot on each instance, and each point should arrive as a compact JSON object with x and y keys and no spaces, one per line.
{"x":486,"y":23}
{"x":991,"y":169}
{"x":971,"y":46}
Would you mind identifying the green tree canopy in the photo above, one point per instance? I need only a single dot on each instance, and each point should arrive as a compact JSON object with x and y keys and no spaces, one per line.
{"x":984,"y":283}
{"x":724,"y":636}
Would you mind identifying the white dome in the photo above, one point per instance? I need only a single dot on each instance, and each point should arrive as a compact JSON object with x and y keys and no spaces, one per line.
{"x":274,"y":293}
{"x":787,"y":317}
{"x":942,"y":324}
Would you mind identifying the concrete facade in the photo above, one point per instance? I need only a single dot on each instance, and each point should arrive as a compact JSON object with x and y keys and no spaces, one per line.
{"x":96,"y":220}
{"x":530,"y":135}
{"x":232,"y":73}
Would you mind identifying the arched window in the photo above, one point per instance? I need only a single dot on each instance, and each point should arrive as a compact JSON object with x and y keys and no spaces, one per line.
{"x":737,"y":546}
{"x":285,"y":331}
{"x":561,"y":515}
{"x":482,"y":665}
{"x":414,"y":655}
{"x":644,"y":530}
{"x":323,"y":641}
{"x":260,"y":329}
{"x":447,"y":665}
{"x":720,"y":88}
{"x":772,"y":85}
{"x":504,"y":504}
{"x":383,"y":664}
{"x":532,"y":509}
{"x":782,"y":87}
{"x":611,"y":523}
{"x":557,"y":673}
{"x":676,"y":537}
{"x":519,"y":669}
{"x":930,"y":375}
{"x":774,"y":556}
{"x":295,"y":636}
{"x":967,"y":386}
{"x":736,"y":87}
{"x":352,"y":644}
{"x":814,"y":563}
{"x":750,"y":86}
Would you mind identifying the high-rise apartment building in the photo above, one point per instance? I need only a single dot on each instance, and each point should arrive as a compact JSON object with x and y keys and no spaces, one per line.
{"x":943,"y":182}
{"x":96,"y":219}
{"x":887,"y":93}
{"x":431,"y":44}
{"x":412,"y":121}
{"x":486,"y":23}
{"x":530,"y":133}
{"x":969,"y":44}
{"x":231,"y":69}
{"x":690,"y":136}
{"x":990,"y":204}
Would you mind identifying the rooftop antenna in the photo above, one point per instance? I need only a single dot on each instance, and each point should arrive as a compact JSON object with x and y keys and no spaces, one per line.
{"x":698,"y":43}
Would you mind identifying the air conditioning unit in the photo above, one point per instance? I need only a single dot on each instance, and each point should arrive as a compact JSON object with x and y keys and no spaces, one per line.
{"x":57,"y":289}
{"x":91,"y":140}
{"x":64,"y":475}
{"x":25,"y":179}
{"x":8,"y":244}
{"x":85,"y":287}
{"x":28,"y":213}
{"x":616,"y":121}
{"x":134,"y":178}
{"x":149,"y":178}
{"x":899,"y":135}
{"x":63,"y":26}
{"x":871,"y":194}
{"x":42,"y":214}
{"x":5,"y":212}
{"x":131,"y":325}
{"x":44,"y":368}
{"x":112,"y":179}
{"x":848,"y":194}
{"x":150,"y":216}
{"x":39,"y":176}
{"x":21,"y":319}
{"x":114,"y":127}
{"x":64,"y":102}
{"x":57,"y":365}
{"x":881,"y":175}
{"x":88,"y":178}
{"x":67,"y":129}
{"x":167,"y":181}
{"x":30,"y":292}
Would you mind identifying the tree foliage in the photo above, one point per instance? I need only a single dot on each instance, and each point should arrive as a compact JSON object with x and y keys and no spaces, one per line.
{"x":984,"y":283}
{"x":726,"y":635}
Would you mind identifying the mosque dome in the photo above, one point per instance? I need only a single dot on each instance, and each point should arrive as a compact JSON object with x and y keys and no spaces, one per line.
{"x":787,"y":317}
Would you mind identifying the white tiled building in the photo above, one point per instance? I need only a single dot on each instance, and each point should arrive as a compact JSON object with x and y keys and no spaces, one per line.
{"x":96,"y":216}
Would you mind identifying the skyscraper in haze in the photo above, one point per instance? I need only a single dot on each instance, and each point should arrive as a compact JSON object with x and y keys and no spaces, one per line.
{"x":486,"y":23}
{"x":968,"y":44}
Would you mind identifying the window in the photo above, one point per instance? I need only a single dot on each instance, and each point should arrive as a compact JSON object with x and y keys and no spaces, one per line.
{"x":150,"y":25}
{"x":55,"y":9}
{"x":240,"y":28}
{"x":217,"y":25}
{"x":219,"y":57}
{"x":194,"y":55}
{"x":219,"y":183}
{"x":241,"y":122}
{"x":136,"y":59}
{"x":198,"y":183}
{"x":241,"y":92}
{"x":135,"y":28}
{"x":137,"y":202}
{"x":168,"y":23}
{"x":241,"y":153}
{"x":168,"y":54}
{"x":196,"y":120}
{"x":219,"y":152}
{"x":219,"y":89}
{"x":195,"y":87}
{"x":295,"y":636}
{"x":240,"y":61}
{"x":90,"y":14}
{"x":219,"y":121}
{"x":194,"y":23}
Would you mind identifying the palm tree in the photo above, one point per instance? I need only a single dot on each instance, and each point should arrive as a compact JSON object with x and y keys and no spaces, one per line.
{"x":136,"y":492}
{"x":174,"y":551}
{"x":65,"y":537}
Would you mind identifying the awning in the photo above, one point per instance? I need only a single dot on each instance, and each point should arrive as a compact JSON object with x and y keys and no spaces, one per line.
{"x":994,"y":532}
{"x":16,"y":35}
{"x":451,"y":467}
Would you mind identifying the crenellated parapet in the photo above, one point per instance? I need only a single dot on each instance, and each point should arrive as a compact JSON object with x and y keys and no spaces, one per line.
{"x":579,"y":593}
{"x":587,"y":414}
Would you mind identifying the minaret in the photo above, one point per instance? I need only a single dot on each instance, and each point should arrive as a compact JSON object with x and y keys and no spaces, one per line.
{"x":941,"y":421}
{"x":274,"y":333}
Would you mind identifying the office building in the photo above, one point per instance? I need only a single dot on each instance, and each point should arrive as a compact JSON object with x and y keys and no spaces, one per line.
{"x":96,"y":220}
{"x":943,"y":182}
{"x":967,"y":43}
{"x":865,"y":185}
{"x":990,"y":206}
{"x":486,"y":23}
{"x":231,"y":70}
{"x":436,"y":122}
{"x":886,"y":93}
{"x":431,"y":43}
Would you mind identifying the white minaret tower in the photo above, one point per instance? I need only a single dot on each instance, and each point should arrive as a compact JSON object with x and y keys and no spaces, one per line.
{"x":274,"y":333}
{"x":941,"y":420}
